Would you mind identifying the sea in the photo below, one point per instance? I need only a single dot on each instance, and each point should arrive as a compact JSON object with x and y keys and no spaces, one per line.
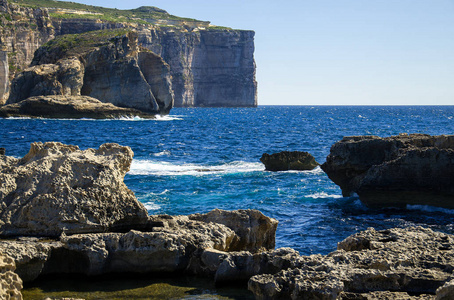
{"x":198,"y":159}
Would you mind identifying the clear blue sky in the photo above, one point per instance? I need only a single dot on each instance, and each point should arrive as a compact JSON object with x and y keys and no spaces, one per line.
{"x":336,"y":52}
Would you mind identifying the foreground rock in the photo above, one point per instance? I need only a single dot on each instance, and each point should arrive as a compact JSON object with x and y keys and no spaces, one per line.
{"x":10,"y":283}
{"x":412,"y":263}
{"x":286,"y":160}
{"x":58,"y":188}
{"x":170,"y":244}
{"x":411,"y":169}
{"x":74,"y":107}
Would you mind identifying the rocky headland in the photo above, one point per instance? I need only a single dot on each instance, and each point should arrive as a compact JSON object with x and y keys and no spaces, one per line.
{"x":206,"y":65}
{"x":415,"y":169}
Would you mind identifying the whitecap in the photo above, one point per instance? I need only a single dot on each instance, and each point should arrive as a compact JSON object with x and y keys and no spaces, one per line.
{"x":323,"y":195}
{"x":151,"y":206}
{"x":162,"y":153}
{"x":167,"y":118}
{"x":159,"y":168}
{"x":430,"y":209}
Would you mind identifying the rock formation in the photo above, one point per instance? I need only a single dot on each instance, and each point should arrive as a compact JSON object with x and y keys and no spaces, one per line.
{"x":412,"y":263}
{"x":256,"y":232}
{"x":58,"y":188}
{"x":286,"y":160}
{"x":210,"y":66}
{"x":78,"y":217}
{"x":10,"y":283}
{"x":169,"y":244}
{"x":106,"y":65}
{"x":395,"y":171}
{"x":73,"y":107}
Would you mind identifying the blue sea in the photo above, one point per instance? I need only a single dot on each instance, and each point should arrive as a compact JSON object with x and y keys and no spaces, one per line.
{"x":198,"y":159}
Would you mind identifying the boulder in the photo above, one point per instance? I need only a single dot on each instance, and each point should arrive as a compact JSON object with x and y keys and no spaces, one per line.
{"x":413,"y":261}
{"x":286,"y":160}
{"x":415,"y":169}
{"x":73,"y":107}
{"x":256,"y":231}
{"x":58,"y":188}
{"x":10,"y":283}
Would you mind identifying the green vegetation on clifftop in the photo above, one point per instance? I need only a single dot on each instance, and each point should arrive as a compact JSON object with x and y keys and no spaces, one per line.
{"x":74,"y":44}
{"x":62,"y":9}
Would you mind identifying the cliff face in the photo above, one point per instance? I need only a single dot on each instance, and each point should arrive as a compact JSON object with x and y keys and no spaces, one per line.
{"x":209,"y":67}
{"x":106,"y":65}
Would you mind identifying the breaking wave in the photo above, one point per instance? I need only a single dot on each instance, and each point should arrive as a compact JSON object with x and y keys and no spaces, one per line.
{"x":159,"y":168}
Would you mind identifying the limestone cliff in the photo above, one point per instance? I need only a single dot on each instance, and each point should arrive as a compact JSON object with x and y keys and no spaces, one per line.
{"x":107,"y":65}
{"x":210,"y":66}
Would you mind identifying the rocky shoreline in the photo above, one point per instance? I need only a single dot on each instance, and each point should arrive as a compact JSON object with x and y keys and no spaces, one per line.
{"x":68,"y":211}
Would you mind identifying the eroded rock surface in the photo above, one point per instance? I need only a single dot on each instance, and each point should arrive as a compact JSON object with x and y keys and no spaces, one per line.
{"x":286,"y":160}
{"x":58,"y":188}
{"x":169,"y":244}
{"x":412,"y":261}
{"x":414,"y":169}
{"x":10,"y":283}
{"x":256,"y":231}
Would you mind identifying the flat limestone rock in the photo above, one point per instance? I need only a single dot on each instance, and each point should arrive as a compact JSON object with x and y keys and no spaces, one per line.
{"x":71,"y":107}
{"x":286,"y":160}
{"x":410,"y":263}
{"x":58,"y":188}
{"x":415,"y":169}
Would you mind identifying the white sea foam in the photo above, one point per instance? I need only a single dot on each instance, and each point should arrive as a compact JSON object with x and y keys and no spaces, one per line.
{"x":431,"y":209}
{"x":159,"y":168}
{"x":323,"y":195}
{"x":167,"y":118}
{"x":162,"y":153}
{"x":151,"y":206}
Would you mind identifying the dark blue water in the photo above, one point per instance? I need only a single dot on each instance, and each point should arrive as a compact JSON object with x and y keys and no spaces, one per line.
{"x":198,"y":159}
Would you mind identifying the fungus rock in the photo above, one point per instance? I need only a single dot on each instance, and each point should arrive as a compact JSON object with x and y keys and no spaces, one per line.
{"x":286,"y":160}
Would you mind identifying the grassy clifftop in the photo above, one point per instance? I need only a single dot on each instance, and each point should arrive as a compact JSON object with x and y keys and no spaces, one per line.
{"x":144,"y":14}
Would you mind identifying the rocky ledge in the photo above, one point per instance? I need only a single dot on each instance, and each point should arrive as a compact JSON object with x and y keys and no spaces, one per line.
{"x":415,"y":169}
{"x":411,"y":263}
{"x":68,"y":107}
{"x":286,"y":160}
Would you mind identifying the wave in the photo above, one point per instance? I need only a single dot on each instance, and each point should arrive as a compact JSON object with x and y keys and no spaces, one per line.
{"x":430,"y":209}
{"x":167,"y":118}
{"x":151,"y":206}
{"x":159,"y":168}
{"x":323,"y":195}
{"x":162,"y":153}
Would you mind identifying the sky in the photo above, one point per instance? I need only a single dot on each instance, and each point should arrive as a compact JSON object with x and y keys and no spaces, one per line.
{"x":337,"y":52}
